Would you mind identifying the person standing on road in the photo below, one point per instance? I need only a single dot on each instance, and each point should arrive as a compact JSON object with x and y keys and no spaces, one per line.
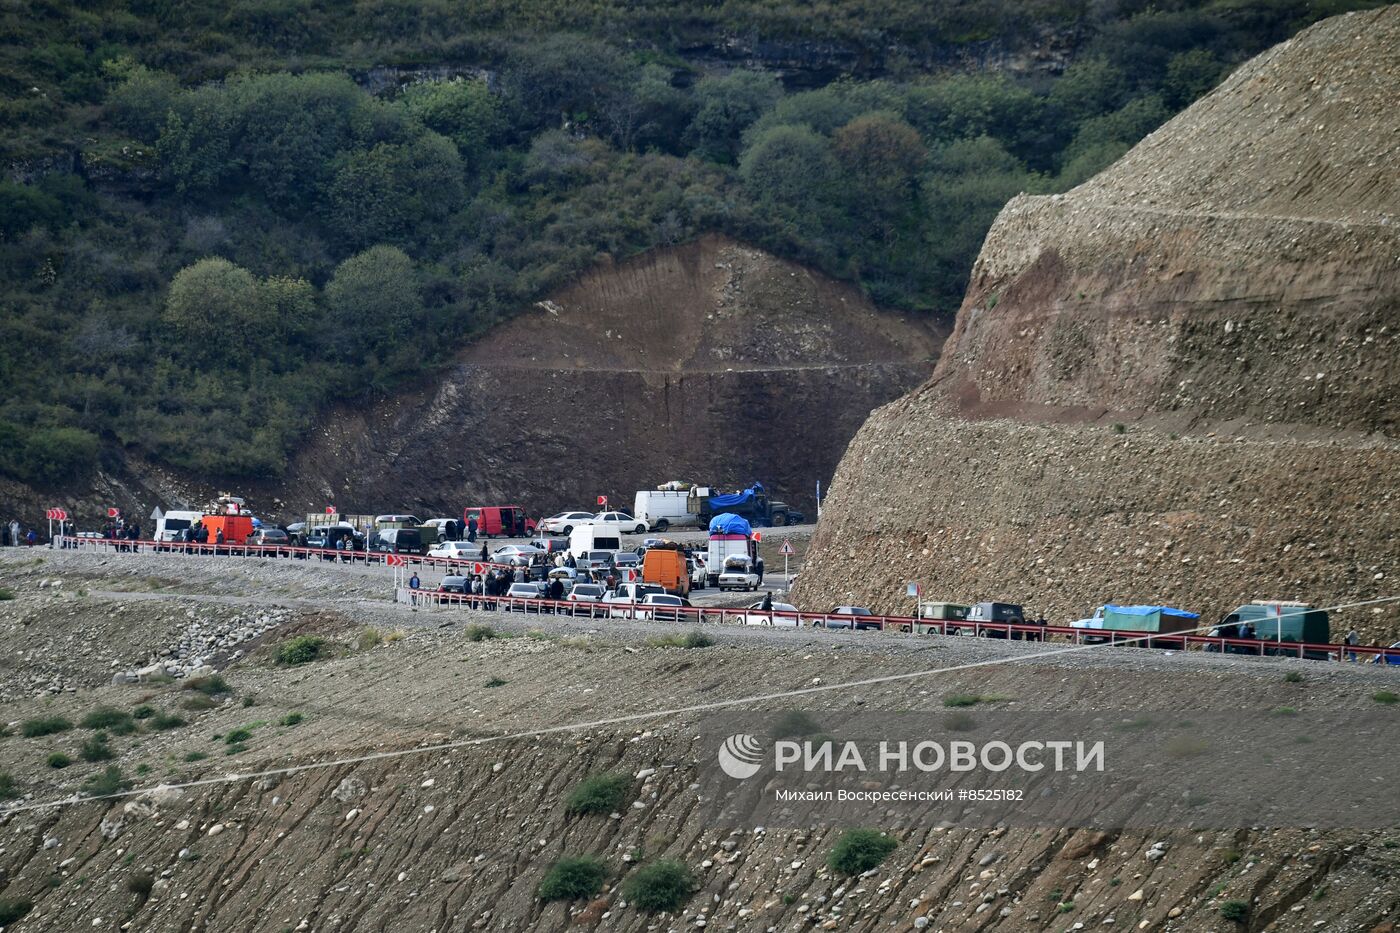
{"x":471,"y":532}
{"x":413,"y":582}
{"x":483,"y":551}
{"x":1351,"y":641}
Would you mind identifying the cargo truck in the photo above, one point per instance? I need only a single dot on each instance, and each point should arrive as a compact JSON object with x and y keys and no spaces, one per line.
{"x":752,"y":505}
{"x":730,"y":535}
{"x":1140,"y":620}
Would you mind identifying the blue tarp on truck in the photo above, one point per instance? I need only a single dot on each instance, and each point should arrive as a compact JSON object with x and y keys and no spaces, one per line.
{"x":728,"y":523}
{"x":738,"y":498}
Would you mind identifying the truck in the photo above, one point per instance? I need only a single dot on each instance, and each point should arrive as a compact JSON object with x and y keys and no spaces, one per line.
{"x":236,"y":528}
{"x":504,"y":521}
{"x":730,"y":535}
{"x":1139,"y":620}
{"x":1275,"y":620}
{"x":751,"y":504}
{"x":939,"y":612}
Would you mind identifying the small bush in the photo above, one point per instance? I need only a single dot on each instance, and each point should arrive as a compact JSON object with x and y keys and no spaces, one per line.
{"x":163,"y":722}
{"x":106,"y":717}
{"x":479,"y":633}
{"x":192,"y":757}
{"x":236,"y":749}
{"x":301,"y":650}
{"x":143,"y":712}
{"x":109,"y":781}
{"x":58,"y":760}
{"x":8,"y":791}
{"x":1293,"y":677}
{"x":97,"y":749}
{"x":1386,"y":696}
{"x":238,"y":735}
{"x":660,"y":886}
{"x":573,"y":878}
{"x":600,"y":793}
{"x":6,"y":594}
{"x":495,"y":682}
{"x":1230,"y":856}
{"x":212,"y":685}
{"x":958,"y":700}
{"x":45,"y":725}
{"x":198,"y":704}
{"x":1119,"y":428}
{"x":12,"y":911}
{"x":249,"y":701}
{"x":859,"y":850}
{"x":697,"y":639}
{"x":1283,"y":711}
{"x":1235,"y":911}
{"x":291,"y":719}
{"x":369,"y":638}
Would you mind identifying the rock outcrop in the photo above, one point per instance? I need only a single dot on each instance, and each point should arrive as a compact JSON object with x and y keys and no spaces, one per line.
{"x":1175,"y":383}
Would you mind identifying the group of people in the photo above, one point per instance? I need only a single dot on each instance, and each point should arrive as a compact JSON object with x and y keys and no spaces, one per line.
{"x":14,"y":534}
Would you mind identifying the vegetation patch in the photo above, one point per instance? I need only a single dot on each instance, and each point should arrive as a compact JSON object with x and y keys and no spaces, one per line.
{"x":6,"y":594}
{"x":143,"y":712}
{"x":302,"y":649}
{"x":1293,"y":677}
{"x":1235,"y":911}
{"x":97,"y":749}
{"x":495,"y":682}
{"x":958,"y":700}
{"x":108,"y":781}
{"x":859,"y":850}
{"x":8,"y":790}
{"x":58,"y":761}
{"x":44,"y":725}
{"x":479,"y":632}
{"x":291,"y":719}
{"x":794,"y":723}
{"x":689,"y":640}
{"x":195,"y":756}
{"x":663,"y":885}
{"x":13,"y":910}
{"x":599,"y":793}
{"x":199,"y":704}
{"x":236,"y":736}
{"x":573,"y":878}
{"x":1388,"y":697}
{"x":163,"y":722}
{"x":211,"y":685}
{"x":369,"y":638}
{"x":107,"y":717}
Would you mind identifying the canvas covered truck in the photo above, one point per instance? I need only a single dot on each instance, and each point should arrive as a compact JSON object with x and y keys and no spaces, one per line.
{"x":751,"y":504}
{"x":1274,"y":620}
{"x":1139,"y":621}
{"x":730,"y":535}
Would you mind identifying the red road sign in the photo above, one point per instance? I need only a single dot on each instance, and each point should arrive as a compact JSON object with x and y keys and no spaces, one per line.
{"x":113,"y":512}
{"x":57,"y":515}
{"x":478,"y":568}
{"x":394,"y":560}
{"x":330,"y":510}
{"x":758,"y":536}
{"x":603,"y":501}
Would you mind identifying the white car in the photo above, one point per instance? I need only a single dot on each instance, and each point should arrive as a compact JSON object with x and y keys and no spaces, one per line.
{"x":698,"y":573}
{"x":455,"y":550}
{"x":738,"y":573}
{"x":663,"y":607}
{"x":505,"y":552}
{"x":590,"y":593}
{"x":564,"y":522}
{"x":619,"y":523}
{"x":623,"y":601}
{"x":757,"y":615}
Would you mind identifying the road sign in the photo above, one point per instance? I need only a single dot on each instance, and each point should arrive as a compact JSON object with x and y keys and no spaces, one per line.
{"x":478,"y":569}
{"x":157,"y":514}
{"x":113,"y":512}
{"x":914,"y":589}
{"x":758,"y":536}
{"x":56,"y":515}
{"x":603,"y":501}
{"x":786,"y":550}
{"x":330,"y":510}
{"x":394,"y":560}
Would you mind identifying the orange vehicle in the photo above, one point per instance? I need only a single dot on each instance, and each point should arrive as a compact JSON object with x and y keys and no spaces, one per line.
{"x":665,"y":566}
{"x":237,"y":528}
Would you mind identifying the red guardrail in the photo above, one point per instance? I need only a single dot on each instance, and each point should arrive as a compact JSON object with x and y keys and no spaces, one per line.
{"x":1012,"y":630}
{"x":722,"y":615}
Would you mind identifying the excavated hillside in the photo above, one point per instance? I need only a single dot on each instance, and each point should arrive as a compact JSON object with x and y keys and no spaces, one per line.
{"x":1176,"y":383}
{"x":711,"y":361}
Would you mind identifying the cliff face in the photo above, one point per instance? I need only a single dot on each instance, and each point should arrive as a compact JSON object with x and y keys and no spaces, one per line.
{"x":710,"y":361}
{"x":1175,"y":383}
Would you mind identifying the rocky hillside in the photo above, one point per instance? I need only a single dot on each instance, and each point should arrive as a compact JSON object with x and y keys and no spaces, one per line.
{"x":711,"y":361}
{"x":405,"y":838}
{"x":1175,"y":382}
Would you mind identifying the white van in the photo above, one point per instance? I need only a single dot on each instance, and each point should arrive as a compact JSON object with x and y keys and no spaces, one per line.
{"x":587,"y":538}
{"x":662,"y":509}
{"x":172,"y":524}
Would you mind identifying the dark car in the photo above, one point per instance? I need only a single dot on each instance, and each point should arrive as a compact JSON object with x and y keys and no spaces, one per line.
{"x":452,"y":586}
{"x":397,"y":541}
{"x":850,"y":617}
{"x":270,"y":537}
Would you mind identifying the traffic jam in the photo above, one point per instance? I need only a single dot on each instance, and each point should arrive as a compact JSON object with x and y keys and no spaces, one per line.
{"x":674,"y":557}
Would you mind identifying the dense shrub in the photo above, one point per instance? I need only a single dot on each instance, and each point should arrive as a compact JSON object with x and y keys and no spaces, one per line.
{"x":44,"y":725}
{"x":859,"y":850}
{"x":573,"y":878}
{"x":599,"y":793}
{"x":302,"y":649}
{"x":662,"y":885}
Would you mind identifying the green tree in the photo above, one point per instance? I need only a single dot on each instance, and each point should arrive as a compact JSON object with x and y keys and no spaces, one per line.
{"x":561,"y":77}
{"x":215,"y":308}
{"x":1089,"y":87}
{"x":385,"y":192}
{"x":727,"y":106}
{"x":792,"y":171}
{"x":289,"y":305}
{"x":1122,"y":128}
{"x":373,"y":302}
{"x":465,"y":111}
{"x":968,"y":106}
{"x":1191,"y":75}
{"x":142,"y":100}
{"x":881,"y":156}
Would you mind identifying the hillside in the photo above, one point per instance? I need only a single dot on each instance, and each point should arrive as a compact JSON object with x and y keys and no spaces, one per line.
{"x":405,"y":837}
{"x":1174,"y":383}
{"x":219,"y":224}
{"x":712,"y":361}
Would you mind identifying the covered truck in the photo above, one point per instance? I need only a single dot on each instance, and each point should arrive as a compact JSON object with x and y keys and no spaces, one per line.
{"x":751,"y":504}
{"x":730,"y":535}
{"x":1276,"y":620}
{"x":1139,"y":620}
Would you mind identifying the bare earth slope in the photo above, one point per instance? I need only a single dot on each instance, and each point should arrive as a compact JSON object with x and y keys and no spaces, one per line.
{"x":1175,"y":383}
{"x":460,"y":839}
{"x":710,"y":361}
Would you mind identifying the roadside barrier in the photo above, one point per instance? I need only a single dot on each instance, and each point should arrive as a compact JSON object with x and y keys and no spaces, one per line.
{"x":429,"y":599}
{"x":706,"y":615}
